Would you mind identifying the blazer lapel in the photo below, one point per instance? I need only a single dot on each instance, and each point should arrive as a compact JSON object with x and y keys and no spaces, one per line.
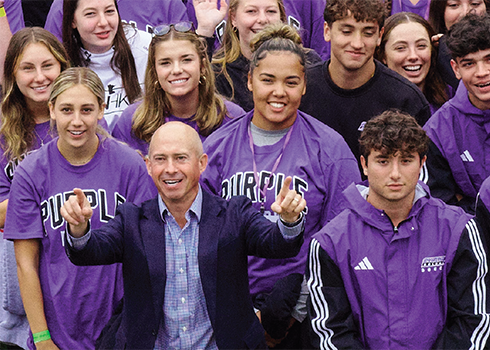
{"x":153,"y":237}
{"x":209,"y":229}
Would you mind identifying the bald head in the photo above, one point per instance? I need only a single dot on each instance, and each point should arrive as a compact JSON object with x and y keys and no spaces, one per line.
{"x":178,"y":133}
{"x":175,"y":162}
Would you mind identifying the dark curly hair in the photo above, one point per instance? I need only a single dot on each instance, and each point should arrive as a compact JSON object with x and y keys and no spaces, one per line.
{"x":393,"y":131}
{"x":469,"y":35}
{"x":362,"y":10}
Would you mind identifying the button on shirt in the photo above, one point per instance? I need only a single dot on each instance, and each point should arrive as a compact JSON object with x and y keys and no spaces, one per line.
{"x":186,"y":320}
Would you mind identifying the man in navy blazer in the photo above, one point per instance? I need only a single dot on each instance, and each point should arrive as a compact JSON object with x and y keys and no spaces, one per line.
{"x":227,"y":232}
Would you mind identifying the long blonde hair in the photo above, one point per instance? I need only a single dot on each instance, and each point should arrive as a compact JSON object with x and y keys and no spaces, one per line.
{"x":151,"y":114}
{"x":17,"y":130}
{"x":230,"y":50}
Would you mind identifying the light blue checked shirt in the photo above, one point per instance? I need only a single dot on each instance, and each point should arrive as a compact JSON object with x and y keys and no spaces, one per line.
{"x":186,"y":323}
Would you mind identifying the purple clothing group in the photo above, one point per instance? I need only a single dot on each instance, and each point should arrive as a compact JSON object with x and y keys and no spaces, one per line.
{"x":144,"y":16}
{"x":306,"y":16}
{"x":78,"y":301}
{"x":316,"y":157}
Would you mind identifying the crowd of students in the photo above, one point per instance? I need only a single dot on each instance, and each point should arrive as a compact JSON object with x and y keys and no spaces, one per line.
{"x":374,"y":112}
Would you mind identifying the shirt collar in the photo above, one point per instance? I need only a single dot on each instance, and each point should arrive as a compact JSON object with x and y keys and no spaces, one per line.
{"x":196,"y":206}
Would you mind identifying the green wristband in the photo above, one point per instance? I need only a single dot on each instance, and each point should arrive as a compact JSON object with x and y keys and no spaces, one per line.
{"x":41,"y":336}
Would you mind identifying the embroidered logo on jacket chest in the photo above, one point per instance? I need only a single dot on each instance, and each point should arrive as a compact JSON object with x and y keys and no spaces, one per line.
{"x":433,"y":263}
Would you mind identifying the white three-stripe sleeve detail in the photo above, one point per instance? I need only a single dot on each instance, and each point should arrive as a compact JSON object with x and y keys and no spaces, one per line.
{"x":482,"y":331}
{"x":318,"y":301}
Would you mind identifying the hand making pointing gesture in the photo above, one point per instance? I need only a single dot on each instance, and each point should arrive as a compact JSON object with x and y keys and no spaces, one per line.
{"x":288,"y":204}
{"x":77,"y":212}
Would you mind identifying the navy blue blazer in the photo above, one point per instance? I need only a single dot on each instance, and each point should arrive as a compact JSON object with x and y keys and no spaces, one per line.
{"x":229,"y":231}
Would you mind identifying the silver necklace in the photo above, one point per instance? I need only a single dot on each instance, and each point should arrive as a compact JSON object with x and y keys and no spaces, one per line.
{"x":39,"y":137}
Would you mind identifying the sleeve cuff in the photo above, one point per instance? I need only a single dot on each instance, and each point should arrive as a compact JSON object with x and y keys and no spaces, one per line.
{"x":78,"y":243}
{"x":291,"y":230}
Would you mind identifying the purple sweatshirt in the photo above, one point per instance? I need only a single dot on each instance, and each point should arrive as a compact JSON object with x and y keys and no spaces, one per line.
{"x":317,"y":158}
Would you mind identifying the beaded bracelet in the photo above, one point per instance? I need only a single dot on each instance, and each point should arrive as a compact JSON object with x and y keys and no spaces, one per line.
{"x":41,"y":336}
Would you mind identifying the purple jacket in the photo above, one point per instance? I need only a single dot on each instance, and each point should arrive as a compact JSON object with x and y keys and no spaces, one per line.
{"x":416,"y":286}
{"x":459,"y":158}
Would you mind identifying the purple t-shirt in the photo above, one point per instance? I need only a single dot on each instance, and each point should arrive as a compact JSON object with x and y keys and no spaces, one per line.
{"x":8,"y":167}
{"x":78,"y":301}
{"x":143,"y":14}
{"x":15,"y":16}
{"x":317,"y":158}
{"x":123,"y":132}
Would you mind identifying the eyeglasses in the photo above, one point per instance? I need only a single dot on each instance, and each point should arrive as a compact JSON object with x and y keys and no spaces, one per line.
{"x":182,"y":27}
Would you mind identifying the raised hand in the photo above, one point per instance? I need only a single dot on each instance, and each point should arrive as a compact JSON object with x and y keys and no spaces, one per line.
{"x":208,"y":15}
{"x":77,"y":211}
{"x":288,"y":204}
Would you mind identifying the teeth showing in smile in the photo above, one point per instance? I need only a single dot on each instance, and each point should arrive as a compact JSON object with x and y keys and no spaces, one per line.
{"x":277,"y":105}
{"x":483,"y":85}
{"x":180,"y":81}
{"x":413,"y":68}
{"x":172,"y":182}
{"x":40,"y":87}
{"x":76,"y":132}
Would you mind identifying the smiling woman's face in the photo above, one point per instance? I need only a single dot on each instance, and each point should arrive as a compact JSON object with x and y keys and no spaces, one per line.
{"x":408,"y":52}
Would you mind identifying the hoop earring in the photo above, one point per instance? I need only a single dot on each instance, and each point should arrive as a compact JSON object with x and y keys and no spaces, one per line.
{"x":203,"y":77}
{"x":235,"y":29}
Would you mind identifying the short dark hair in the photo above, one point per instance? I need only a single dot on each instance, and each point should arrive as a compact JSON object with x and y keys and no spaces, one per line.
{"x":361,"y":10}
{"x":471,"y":34}
{"x":393,"y":131}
